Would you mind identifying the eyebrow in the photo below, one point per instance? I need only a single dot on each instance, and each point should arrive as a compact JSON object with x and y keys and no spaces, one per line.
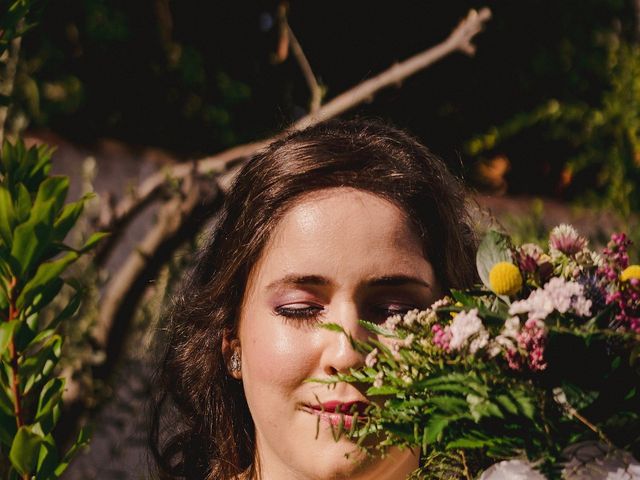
{"x":317,"y":280}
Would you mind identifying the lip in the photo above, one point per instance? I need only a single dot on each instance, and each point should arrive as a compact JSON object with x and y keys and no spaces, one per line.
{"x":338,"y":413}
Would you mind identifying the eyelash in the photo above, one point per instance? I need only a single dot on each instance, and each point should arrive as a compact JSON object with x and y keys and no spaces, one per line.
{"x":312,"y":312}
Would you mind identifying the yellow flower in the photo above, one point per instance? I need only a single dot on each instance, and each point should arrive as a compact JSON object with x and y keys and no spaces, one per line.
{"x":505,"y":279}
{"x":632,"y":271}
{"x":453,"y":314}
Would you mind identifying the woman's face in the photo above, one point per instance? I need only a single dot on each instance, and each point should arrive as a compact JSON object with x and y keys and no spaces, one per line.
{"x":338,"y":255}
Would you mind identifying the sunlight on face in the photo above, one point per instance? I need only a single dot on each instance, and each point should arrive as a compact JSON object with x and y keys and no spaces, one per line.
{"x":338,"y":255}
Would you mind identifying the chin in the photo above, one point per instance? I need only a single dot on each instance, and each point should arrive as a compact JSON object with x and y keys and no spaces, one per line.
{"x":341,"y":459}
{"x":337,"y":467}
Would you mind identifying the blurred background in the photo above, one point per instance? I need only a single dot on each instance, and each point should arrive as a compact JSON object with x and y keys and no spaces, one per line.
{"x":543,"y":123}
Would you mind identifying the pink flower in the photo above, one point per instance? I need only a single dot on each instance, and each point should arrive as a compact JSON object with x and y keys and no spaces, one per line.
{"x":441,"y":336}
{"x":531,"y":343}
{"x":624,"y":295}
{"x":564,"y":238}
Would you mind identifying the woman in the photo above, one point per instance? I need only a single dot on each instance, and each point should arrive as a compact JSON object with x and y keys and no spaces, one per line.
{"x":342,"y":221}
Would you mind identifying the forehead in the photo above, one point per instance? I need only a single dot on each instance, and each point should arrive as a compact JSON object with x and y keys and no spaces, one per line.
{"x":341,"y":231}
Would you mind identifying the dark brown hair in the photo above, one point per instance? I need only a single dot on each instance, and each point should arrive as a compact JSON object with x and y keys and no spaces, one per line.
{"x":208,"y":432}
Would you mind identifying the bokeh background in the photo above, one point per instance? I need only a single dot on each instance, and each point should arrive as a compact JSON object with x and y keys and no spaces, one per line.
{"x":543,"y":124}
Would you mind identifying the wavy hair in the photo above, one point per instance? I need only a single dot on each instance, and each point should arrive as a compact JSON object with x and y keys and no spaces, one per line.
{"x":201,"y":424}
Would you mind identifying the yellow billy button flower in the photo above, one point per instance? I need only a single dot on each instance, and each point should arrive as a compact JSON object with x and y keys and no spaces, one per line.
{"x":631,"y":272}
{"x":505,"y":279}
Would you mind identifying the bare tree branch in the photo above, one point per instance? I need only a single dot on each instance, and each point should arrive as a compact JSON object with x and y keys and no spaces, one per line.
{"x":460,"y":39}
{"x":179,"y":220}
{"x":314,"y":87}
{"x":197,"y":198}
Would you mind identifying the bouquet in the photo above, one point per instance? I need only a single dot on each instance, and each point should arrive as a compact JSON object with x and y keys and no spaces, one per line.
{"x":533,"y":374}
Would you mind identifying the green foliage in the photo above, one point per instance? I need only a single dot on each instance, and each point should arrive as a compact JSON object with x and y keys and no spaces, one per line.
{"x":604,"y":136}
{"x":564,"y":376}
{"x":14,"y":20}
{"x":34,"y":222}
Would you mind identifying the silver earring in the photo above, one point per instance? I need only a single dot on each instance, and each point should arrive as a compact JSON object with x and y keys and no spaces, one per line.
{"x":234,"y":363}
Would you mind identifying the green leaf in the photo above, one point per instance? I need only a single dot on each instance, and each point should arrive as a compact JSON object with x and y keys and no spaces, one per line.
{"x":48,"y":411}
{"x":45,"y":275}
{"x":435,"y":426}
{"x":7,"y":329}
{"x":32,"y":237}
{"x":4,"y":299}
{"x":25,"y":450}
{"x":383,"y":390}
{"x":6,"y":398}
{"x":93,"y":240}
{"x":81,"y":441}
{"x":67,"y":219}
{"x":507,"y":404}
{"x":38,"y":366}
{"x":47,"y":459}
{"x":53,"y":189}
{"x":334,"y":327}
{"x":8,"y":428}
{"x":577,"y":397}
{"x":7,"y":216}
{"x":68,"y":311}
{"x":23,"y":204}
{"x":25,"y":332}
{"x":469,"y":442}
{"x":483,"y":407}
{"x":526,"y":404}
{"x":377,"y":329}
{"x":493,"y":249}
{"x":448,"y":404}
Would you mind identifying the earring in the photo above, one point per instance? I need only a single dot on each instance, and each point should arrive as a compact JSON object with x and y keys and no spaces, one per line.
{"x":234,"y":363}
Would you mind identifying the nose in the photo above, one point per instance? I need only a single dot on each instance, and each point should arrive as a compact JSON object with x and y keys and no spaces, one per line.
{"x":339,"y":356}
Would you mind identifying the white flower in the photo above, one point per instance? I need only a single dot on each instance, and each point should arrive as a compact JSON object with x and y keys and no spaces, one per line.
{"x":410,"y":317}
{"x":508,"y":335}
{"x":391,"y":322}
{"x":443,"y":302}
{"x":466,"y":325}
{"x":538,"y":305}
{"x":377,"y":382}
{"x":512,"y":470}
{"x":597,"y":461}
{"x":408,"y":340}
{"x":586,"y":461}
{"x":557,"y":294}
{"x":372,"y":358}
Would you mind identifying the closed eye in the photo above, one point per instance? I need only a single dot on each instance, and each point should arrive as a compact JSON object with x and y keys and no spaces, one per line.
{"x":382,"y":312}
{"x":299,"y":312}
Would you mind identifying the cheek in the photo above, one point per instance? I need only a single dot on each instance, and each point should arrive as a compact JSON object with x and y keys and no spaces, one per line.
{"x":277,"y":354}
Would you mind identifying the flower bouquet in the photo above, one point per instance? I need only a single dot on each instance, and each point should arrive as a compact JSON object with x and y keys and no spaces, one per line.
{"x":533,"y":374}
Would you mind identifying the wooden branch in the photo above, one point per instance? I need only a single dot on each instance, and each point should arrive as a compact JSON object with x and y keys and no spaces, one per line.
{"x":459,"y":40}
{"x":198,"y":197}
{"x":307,"y":72}
{"x":179,"y":220}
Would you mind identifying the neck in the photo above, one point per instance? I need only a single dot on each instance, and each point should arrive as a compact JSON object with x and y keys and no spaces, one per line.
{"x":396,"y":465}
